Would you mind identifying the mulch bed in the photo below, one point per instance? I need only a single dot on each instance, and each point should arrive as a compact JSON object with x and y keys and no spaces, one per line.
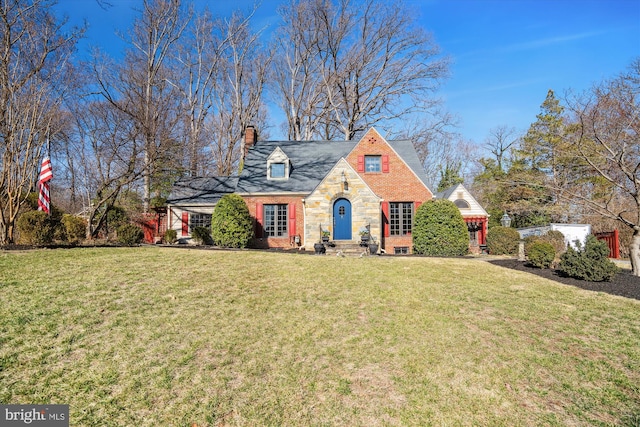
{"x":623,"y":284}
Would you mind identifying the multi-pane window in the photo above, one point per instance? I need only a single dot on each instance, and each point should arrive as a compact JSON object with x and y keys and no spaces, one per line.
{"x":277,"y":170}
{"x":275,"y":220}
{"x":400,"y":218}
{"x":199,"y":220}
{"x":372,"y":164}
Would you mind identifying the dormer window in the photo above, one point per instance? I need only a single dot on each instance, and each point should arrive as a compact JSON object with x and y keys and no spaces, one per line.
{"x":278,"y":165}
{"x":277,"y":170}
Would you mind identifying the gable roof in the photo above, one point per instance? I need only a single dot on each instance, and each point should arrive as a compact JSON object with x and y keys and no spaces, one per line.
{"x":310,"y":162}
{"x":405,"y":149}
{"x":451,"y":194}
{"x":201,"y":190}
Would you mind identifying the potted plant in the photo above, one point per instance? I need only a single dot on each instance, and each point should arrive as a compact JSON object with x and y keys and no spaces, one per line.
{"x":324,"y":235}
{"x":373,"y":246}
{"x":365,"y":235}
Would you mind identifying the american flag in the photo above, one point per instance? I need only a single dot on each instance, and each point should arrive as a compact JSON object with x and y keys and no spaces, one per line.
{"x":46,"y":174}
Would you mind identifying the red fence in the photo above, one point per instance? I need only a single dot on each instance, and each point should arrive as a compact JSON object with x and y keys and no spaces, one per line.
{"x":611,"y":237}
{"x":153,"y":225}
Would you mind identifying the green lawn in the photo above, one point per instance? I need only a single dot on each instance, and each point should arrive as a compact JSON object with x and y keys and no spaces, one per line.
{"x":161,"y":336}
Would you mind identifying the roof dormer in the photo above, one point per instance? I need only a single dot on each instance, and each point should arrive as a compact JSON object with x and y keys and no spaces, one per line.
{"x":278,"y":165}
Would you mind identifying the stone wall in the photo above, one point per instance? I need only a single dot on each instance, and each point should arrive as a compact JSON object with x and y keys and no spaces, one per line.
{"x":365,"y":205}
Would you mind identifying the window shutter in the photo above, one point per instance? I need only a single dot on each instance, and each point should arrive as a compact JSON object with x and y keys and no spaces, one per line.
{"x":360,"y":163}
{"x":292,"y":219}
{"x":185,"y":223}
{"x":385,"y":164}
{"x":385,"y":219}
{"x":416,"y":206}
{"x":259,"y":220}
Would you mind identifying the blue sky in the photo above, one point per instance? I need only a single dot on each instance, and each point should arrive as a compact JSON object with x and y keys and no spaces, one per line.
{"x":506,"y":54}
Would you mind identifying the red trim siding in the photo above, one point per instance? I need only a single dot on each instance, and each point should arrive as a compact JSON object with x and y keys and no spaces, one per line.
{"x":385,"y":219}
{"x":259,"y":214}
{"x":185,"y":223}
{"x":292,"y":219}
{"x":385,"y":163}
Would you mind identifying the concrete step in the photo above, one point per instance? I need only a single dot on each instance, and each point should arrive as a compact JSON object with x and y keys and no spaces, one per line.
{"x":346,"y":248}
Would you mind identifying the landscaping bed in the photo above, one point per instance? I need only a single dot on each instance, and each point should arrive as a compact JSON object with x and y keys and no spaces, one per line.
{"x":623,"y":284}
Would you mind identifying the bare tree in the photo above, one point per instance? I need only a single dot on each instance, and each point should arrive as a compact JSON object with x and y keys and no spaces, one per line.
{"x":606,"y":154}
{"x":297,"y":74}
{"x":197,"y":62}
{"x":362,"y":63}
{"x":500,"y":142}
{"x":34,"y":54}
{"x":238,"y":93}
{"x":140,"y":87}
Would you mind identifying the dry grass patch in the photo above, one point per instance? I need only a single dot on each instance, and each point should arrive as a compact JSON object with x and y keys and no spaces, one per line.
{"x":161,"y":336}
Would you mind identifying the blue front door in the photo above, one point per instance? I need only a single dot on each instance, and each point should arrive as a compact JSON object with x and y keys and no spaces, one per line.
{"x":342,"y":220}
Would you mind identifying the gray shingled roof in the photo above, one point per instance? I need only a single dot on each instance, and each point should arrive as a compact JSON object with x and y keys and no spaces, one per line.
{"x":311,"y":161}
{"x":201,"y":190}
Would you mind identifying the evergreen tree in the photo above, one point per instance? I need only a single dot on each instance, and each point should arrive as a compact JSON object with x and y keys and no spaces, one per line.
{"x":450,"y":176}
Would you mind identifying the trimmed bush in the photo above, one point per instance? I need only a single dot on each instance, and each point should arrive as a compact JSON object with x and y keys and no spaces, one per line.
{"x":502,"y":240}
{"x":35,"y":228}
{"x":130,"y":235}
{"x":202,"y":236}
{"x":556,"y":239}
{"x":439,"y":230}
{"x":590,"y":262}
{"x":231,"y":223}
{"x":541,"y":254}
{"x":170,"y":236}
{"x":75,"y":228}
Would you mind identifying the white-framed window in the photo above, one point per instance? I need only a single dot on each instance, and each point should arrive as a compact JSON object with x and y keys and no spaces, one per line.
{"x":278,"y":165}
{"x":372,"y":164}
{"x":199,"y":220}
{"x":462,"y":204}
{"x":277,"y":170}
{"x":275,"y":220}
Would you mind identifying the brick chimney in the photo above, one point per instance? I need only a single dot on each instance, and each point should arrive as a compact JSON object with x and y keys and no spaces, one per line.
{"x":250,"y":138}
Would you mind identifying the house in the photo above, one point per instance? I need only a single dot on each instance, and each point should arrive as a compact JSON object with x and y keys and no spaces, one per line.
{"x":474,"y":215}
{"x":192,"y":201}
{"x":296,"y":189}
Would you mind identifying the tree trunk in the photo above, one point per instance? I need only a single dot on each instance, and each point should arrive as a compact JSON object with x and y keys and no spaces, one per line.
{"x":634,"y":252}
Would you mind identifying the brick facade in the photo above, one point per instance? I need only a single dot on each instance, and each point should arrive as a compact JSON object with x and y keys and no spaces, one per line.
{"x":394,"y":183}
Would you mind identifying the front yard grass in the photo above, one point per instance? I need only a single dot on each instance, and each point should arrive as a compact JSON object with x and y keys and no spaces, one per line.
{"x":161,"y":336}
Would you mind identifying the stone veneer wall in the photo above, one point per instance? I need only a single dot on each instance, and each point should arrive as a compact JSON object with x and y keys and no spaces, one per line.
{"x":365,"y":205}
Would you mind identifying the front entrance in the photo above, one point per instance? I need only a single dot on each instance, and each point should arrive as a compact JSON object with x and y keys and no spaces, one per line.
{"x":342,"y":220}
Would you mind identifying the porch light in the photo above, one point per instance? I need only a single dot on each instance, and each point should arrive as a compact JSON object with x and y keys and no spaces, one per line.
{"x":344,"y":181}
{"x":505,"y":220}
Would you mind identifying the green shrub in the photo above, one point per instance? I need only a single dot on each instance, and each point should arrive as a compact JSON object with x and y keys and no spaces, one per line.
{"x":170,"y":236}
{"x":541,"y":254}
{"x":556,"y":239}
{"x":590,"y":262}
{"x":116,"y":218}
{"x":35,"y":228}
{"x":130,"y":235}
{"x":503,"y":240}
{"x":231,"y":223}
{"x":439,"y":230}
{"x":201,"y":235}
{"x":75,"y":228}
